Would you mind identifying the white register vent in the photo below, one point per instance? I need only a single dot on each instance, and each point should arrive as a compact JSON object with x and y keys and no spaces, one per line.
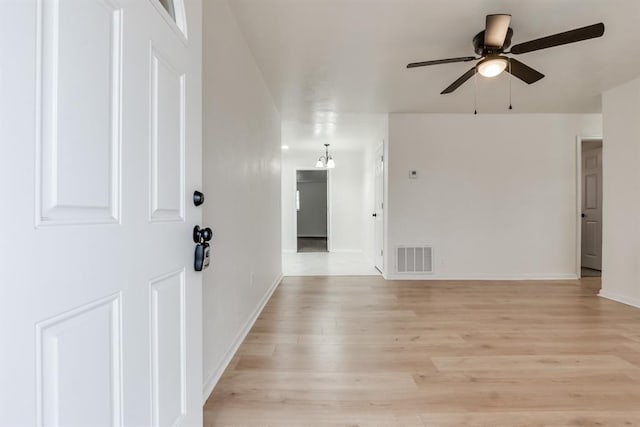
{"x":414,"y":259}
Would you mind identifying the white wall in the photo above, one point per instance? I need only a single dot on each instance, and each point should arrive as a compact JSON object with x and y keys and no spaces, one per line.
{"x":346,"y":211}
{"x":241,"y":173}
{"x":621,"y":198}
{"x":496,"y":194}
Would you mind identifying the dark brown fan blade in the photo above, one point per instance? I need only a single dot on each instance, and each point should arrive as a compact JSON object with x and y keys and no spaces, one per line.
{"x":441,"y":61}
{"x":572,"y":36}
{"x":524,"y":72}
{"x":496,"y":30}
{"x":455,"y":85}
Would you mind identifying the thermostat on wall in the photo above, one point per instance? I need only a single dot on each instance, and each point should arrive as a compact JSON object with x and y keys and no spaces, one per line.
{"x":413,"y":174}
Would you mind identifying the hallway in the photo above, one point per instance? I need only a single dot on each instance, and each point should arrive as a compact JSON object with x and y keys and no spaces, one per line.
{"x":362,"y":351}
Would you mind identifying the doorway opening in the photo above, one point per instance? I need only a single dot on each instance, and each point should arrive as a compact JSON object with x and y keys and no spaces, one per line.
{"x":312,"y":211}
{"x":590,"y":207}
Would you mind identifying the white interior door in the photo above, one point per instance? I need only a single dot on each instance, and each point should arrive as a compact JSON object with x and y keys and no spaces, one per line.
{"x":592,"y":209}
{"x":101,"y":141}
{"x":378,"y":212}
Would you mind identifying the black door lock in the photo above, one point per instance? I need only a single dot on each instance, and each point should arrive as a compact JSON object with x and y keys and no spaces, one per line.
{"x":198,"y":198}
{"x":201,"y":237}
{"x":202,"y":256}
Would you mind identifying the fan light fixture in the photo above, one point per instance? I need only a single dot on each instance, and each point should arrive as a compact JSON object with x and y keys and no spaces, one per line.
{"x":492,"y":66}
{"x":326,"y":161}
{"x":494,"y":42}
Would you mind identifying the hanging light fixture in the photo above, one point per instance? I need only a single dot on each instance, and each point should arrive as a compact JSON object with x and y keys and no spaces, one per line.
{"x":492,"y":66}
{"x":326,"y":161}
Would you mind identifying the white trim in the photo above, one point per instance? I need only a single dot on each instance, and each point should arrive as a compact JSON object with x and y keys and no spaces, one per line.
{"x":634,"y":302}
{"x":386,"y":200}
{"x":213,"y":379}
{"x":484,"y":277}
{"x":288,"y":251}
{"x":329,"y":211}
{"x":579,"y":206}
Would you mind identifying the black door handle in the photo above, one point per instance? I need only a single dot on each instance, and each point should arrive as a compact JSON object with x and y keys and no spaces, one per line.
{"x":583,"y":215}
{"x":375,"y":214}
{"x":202,"y":235}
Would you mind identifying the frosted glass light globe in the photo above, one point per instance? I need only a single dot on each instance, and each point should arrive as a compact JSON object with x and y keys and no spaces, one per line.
{"x":492,"y":66}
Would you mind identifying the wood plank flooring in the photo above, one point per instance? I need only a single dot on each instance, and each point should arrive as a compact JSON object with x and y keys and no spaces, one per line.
{"x":361,"y":351}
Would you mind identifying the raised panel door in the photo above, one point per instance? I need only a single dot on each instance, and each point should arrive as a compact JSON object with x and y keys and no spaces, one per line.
{"x":101,"y":141}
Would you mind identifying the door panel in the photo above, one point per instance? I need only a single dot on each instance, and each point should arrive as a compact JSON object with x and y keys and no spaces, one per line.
{"x":103,"y":307}
{"x":167,"y":139}
{"x":168,"y":361}
{"x":591,"y":191}
{"x":79,"y":51}
{"x":591,"y":241}
{"x":79,"y":366}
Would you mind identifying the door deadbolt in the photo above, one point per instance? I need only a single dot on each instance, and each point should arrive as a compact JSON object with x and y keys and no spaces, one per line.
{"x":198,"y":198}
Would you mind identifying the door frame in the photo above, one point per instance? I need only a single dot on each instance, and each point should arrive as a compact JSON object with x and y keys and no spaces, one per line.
{"x":579,"y":141}
{"x":379,"y":151}
{"x":295,"y":210}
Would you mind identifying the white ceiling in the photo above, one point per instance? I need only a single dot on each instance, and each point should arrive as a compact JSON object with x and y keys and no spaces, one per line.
{"x":328,"y":59}
{"x":350,"y":132}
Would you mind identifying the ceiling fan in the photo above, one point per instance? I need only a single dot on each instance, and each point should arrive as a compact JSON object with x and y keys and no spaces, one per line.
{"x":491,"y":44}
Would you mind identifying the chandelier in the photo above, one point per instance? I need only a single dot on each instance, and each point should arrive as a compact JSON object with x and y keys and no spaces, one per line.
{"x":326,"y":161}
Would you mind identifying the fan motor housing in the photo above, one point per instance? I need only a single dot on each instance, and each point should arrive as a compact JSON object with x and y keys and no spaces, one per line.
{"x":482,"y":50}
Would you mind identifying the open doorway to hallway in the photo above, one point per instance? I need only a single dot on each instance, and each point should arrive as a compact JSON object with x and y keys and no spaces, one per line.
{"x":311,"y":210}
{"x":591,"y":207}
{"x":343,"y":241}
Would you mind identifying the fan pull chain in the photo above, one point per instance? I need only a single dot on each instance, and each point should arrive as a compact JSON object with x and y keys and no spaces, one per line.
{"x":475,"y":92}
{"x":510,"y":79}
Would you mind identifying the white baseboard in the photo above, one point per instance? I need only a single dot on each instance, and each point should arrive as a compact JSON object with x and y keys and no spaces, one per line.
{"x":213,"y":379}
{"x":634,"y":302}
{"x":522,"y":277}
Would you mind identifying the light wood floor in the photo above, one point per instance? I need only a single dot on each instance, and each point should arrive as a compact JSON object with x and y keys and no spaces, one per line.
{"x":359,"y":351}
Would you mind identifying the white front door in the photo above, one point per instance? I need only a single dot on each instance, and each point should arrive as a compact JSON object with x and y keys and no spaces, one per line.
{"x":100,"y":153}
{"x":592,"y":209}
{"x":378,"y":210}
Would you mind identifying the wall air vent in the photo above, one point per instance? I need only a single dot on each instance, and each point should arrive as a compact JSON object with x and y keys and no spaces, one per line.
{"x":412,"y":259}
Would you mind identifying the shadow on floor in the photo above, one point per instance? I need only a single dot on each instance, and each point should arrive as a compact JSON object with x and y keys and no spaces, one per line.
{"x":588,"y":272}
{"x":312,"y":244}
